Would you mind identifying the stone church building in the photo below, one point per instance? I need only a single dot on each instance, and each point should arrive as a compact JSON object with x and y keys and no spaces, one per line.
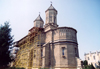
{"x":59,"y":44}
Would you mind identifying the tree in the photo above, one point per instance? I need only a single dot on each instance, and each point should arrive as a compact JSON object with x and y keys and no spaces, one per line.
{"x":85,"y":63}
{"x":5,"y":41}
{"x":15,"y":68}
{"x":92,"y":67}
{"x":86,"y":66}
{"x":98,"y":65}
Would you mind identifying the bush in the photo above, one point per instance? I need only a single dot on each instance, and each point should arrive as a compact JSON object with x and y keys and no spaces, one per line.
{"x":14,"y":68}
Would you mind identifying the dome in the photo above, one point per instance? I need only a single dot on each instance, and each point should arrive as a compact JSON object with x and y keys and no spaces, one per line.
{"x":51,"y":8}
{"x":38,"y":18}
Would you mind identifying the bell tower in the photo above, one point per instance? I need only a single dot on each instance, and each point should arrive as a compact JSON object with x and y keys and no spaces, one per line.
{"x":51,"y":18}
{"x":38,"y":22}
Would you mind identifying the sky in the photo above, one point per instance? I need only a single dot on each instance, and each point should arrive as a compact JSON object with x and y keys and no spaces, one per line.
{"x":83,"y":15}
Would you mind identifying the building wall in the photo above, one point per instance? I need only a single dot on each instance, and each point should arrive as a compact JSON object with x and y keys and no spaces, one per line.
{"x":38,"y":24}
{"x":65,"y":33}
{"x":43,"y":37}
{"x":48,"y":37}
{"x":57,"y":39}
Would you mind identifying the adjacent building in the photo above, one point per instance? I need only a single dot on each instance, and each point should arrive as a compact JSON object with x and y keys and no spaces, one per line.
{"x":93,"y":57}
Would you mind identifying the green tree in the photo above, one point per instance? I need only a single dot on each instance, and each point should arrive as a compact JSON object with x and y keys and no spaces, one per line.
{"x":12,"y":68}
{"x":85,"y":63}
{"x":91,"y":66}
{"x":86,"y":66}
{"x":5,"y":41}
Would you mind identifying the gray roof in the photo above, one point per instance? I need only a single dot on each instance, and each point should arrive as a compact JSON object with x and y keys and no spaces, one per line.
{"x":51,"y":8}
{"x":38,"y":18}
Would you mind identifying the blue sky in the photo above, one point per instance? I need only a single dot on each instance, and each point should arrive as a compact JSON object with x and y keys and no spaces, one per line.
{"x":83,"y":15}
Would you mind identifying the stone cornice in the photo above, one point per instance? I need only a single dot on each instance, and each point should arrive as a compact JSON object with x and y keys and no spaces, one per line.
{"x":61,"y":41}
{"x":64,"y":40}
{"x":51,"y":9}
{"x":67,"y":28}
{"x":50,"y":24}
{"x":62,"y":28}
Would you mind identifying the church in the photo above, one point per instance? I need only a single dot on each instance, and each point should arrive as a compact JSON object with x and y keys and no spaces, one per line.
{"x":52,"y":46}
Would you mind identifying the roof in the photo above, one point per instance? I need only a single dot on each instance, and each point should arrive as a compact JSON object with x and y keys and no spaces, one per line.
{"x":51,"y":8}
{"x":35,"y":28}
{"x":38,"y":18}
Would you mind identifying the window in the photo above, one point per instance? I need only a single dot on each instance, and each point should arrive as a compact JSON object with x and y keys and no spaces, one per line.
{"x":88,"y":58}
{"x":50,"y":18}
{"x":55,"y":19}
{"x":34,"y":53}
{"x":37,"y":25}
{"x":41,"y":53}
{"x":94,"y":57}
{"x":63,"y":48}
{"x":75,"y":51}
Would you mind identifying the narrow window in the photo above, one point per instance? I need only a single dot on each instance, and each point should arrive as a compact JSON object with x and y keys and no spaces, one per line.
{"x":94,"y":57}
{"x":50,"y":18}
{"x":63,"y":48}
{"x":75,"y":51}
{"x":34,"y":53}
{"x":55,"y":19}
{"x":88,"y":58}
{"x":41,"y":53}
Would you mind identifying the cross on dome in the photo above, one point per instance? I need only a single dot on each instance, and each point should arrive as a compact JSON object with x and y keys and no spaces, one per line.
{"x":51,"y":7}
{"x":38,"y":18}
{"x":39,"y":13}
{"x":51,"y":2}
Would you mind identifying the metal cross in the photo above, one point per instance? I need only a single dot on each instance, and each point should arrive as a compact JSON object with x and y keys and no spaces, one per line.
{"x":51,"y":2}
{"x":39,"y":13}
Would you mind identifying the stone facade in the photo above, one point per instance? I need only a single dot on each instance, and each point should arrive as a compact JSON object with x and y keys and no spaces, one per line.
{"x":59,"y":44}
{"x":61,"y":47}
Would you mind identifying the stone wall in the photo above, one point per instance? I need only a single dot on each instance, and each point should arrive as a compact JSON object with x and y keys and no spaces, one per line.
{"x":57,"y":39}
{"x":43,"y":35}
{"x":65,"y":33}
{"x":66,"y":60}
{"x":48,"y":37}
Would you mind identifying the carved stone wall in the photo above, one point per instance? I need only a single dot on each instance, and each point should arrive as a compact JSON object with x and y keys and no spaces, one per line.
{"x":65,"y":34}
{"x":57,"y":39}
